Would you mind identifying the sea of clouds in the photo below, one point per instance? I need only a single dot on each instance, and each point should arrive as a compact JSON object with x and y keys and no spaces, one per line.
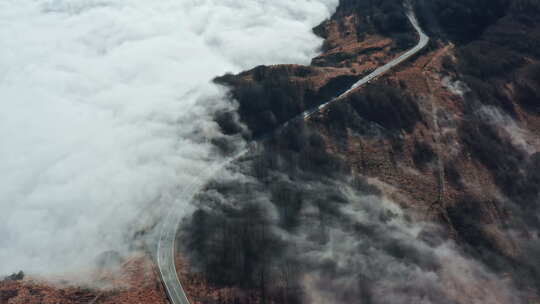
{"x":107,"y":107}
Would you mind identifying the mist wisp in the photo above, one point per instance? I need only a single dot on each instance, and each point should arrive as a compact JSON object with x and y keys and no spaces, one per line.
{"x":108,"y":109}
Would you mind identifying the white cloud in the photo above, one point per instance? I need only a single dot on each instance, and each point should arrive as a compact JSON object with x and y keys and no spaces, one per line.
{"x":99,"y":98}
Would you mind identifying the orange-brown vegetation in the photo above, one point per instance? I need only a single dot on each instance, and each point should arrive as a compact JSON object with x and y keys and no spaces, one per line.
{"x":134,"y":282}
{"x":200,"y":291}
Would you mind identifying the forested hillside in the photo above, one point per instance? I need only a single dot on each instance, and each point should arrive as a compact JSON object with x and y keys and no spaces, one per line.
{"x":446,"y":146}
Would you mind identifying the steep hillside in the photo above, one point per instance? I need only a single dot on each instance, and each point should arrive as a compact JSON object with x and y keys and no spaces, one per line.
{"x":356,"y":42}
{"x":451,"y":137}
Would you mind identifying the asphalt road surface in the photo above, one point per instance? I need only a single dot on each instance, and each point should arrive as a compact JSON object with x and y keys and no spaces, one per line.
{"x":166,"y":243}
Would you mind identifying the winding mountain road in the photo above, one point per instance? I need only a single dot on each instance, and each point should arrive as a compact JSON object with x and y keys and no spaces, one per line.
{"x":422,"y":42}
{"x":166,"y":243}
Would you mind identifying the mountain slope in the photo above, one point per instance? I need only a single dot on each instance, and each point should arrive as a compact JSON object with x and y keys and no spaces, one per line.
{"x":452,"y":138}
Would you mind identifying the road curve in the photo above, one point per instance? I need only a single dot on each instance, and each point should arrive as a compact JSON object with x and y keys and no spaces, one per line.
{"x":422,"y":42}
{"x":167,"y":235}
{"x":166,"y":243}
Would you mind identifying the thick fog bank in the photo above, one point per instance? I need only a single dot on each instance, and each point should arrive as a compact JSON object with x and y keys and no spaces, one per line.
{"x":106,"y":108}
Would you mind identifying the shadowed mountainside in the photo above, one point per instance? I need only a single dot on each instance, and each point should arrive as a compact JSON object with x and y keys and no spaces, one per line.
{"x":451,"y":138}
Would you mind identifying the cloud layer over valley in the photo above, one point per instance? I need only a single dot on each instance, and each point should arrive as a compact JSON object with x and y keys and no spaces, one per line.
{"x":101,"y":100}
